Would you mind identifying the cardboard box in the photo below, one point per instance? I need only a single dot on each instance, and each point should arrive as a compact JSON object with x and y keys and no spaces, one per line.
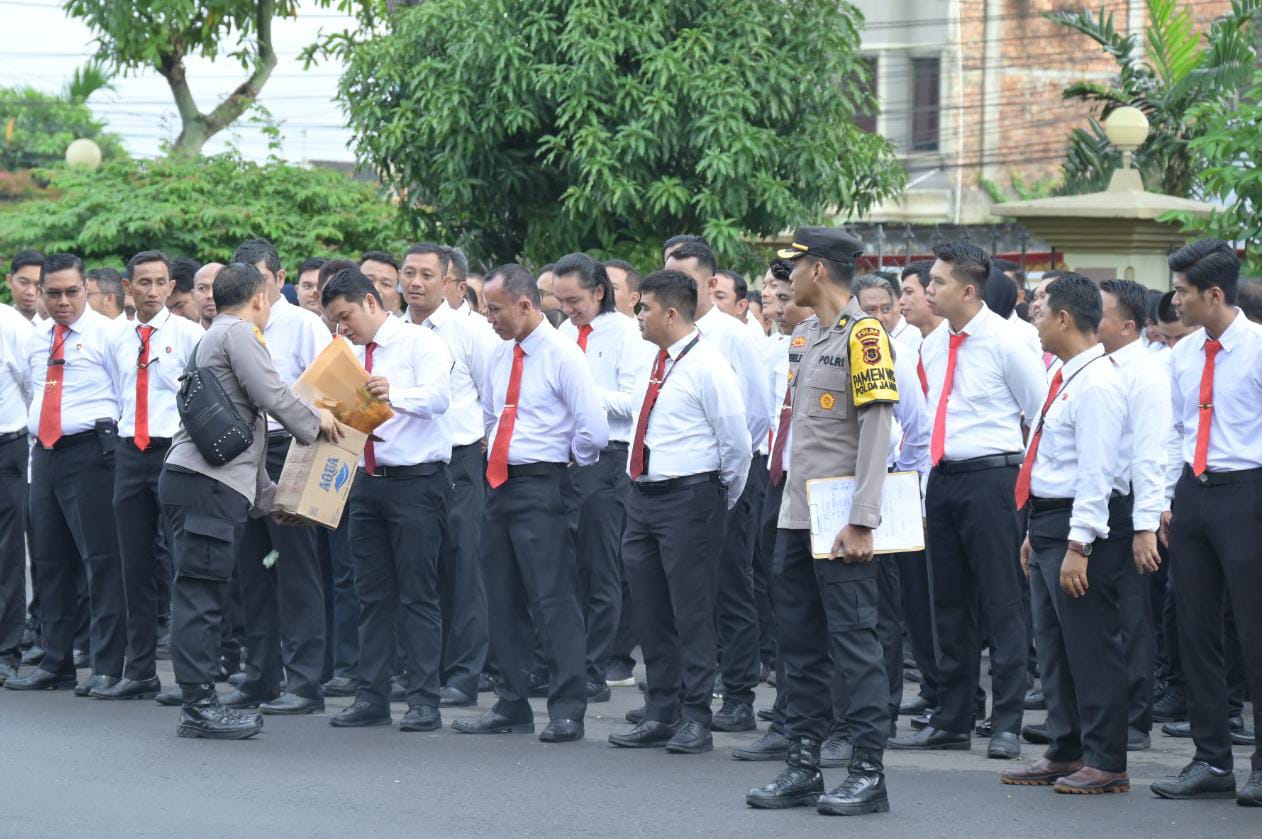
{"x":316,"y":479}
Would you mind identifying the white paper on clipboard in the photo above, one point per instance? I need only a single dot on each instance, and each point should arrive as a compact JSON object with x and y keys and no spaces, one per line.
{"x":901,"y":528}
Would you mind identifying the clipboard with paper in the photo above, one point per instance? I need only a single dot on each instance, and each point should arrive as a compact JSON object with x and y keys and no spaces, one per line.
{"x":901,"y":528}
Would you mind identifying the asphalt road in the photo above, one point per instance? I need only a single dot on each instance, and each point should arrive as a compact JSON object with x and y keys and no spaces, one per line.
{"x":74,"y":767}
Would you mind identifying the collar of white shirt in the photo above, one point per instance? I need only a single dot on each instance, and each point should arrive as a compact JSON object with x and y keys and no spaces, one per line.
{"x":977,"y":325}
{"x":390,"y":329}
{"x":157,"y":321}
{"x":1234,"y":333}
{"x":1081,"y":360}
{"x":89,"y":319}
{"x":535,"y":339}
{"x":437,"y":317}
{"x":1123,"y":356}
{"x":280,"y":309}
{"x":678,"y":347}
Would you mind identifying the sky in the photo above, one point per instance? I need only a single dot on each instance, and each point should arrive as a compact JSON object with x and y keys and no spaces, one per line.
{"x":44,"y":46}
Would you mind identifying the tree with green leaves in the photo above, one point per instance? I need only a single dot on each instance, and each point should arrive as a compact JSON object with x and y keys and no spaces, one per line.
{"x":529,"y":128}
{"x":38,"y":126}
{"x":1173,"y":73}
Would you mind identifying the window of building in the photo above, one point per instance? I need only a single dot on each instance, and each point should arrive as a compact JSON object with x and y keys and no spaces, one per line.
{"x":925,"y":117}
{"x":865,"y":118}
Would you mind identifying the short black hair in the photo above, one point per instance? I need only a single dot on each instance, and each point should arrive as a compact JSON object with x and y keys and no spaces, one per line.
{"x":258,"y":250}
{"x":920,"y":269}
{"x":969,"y":263}
{"x":351,"y":285}
{"x":143,"y":258}
{"x":999,"y":293}
{"x":1166,"y":312}
{"x":698,"y":250}
{"x":674,"y":290}
{"x":1080,"y":296}
{"x":546,"y":269}
{"x":311,"y":263}
{"x":109,"y":281}
{"x":331,"y":267}
{"x":1249,"y":298}
{"x":1132,"y":299}
{"x":379,"y":256}
{"x":60,"y":262}
{"x":236,"y":285}
{"x":25,"y":257}
{"x":458,"y":263}
{"x":873,"y":281}
{"x":444,"y":258}
{"x":1006,"y":265}
{"x":781,"y":269}
{"x":739,"y":284}
{"x":183,"y":269}
{"x":754,"y":296}
{"x":518,"y":282}
{"x":633,"y":276}
{"x":682,"y":239}
{"x":591,"y":275}
{"x":1207,"y":263}
{"x":471,"y":297}
{"x":1152,"y":302}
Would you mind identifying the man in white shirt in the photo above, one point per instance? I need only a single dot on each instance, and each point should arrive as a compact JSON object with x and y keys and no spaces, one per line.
{"x":616,"y":354}
{"x":982,"y":380}
{"x":1075,"y":482}
{"x":626,"y":285}
{"x":1214,"y":533}
{"x":308,"y":285}
{"x":73,"y":415}
{"x":735,"y":609}
{"x":23,"y":281}
{"x":542,"y":409}
{"x":426,"y":277}
{"x":383,"y":270}
{"x":398,"y":504}
{"x":204,"y":291}
{"x":105,"y":292}
{"x":731,"y":296}
{"x":689,"y":462}
{"x":15,"y":396}
{"x":284,"y":603}
{"x":148,"y":359}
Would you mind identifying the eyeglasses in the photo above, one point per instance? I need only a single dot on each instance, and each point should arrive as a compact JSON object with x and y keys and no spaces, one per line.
{"x":68,"y":293}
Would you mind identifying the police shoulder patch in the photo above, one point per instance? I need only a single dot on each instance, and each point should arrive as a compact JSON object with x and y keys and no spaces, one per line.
{"x":871,"y":364}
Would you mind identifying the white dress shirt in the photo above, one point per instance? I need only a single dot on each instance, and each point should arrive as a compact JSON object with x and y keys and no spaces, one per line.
{"x":697,"y":424}
{"x":477,"y":317}
{"x":745,"y":356}
{"x":1079,"y":456}
{"x":15,"y":381}
{"x":1235,"y":431}
{"x":417,"y":365}
{"x":1029,"y":334}
{"x":907,"y":338}
{"x":470,"y":346}
{"x":997,"y":380}
{"x":909,"y":434}
{"x":88,"y":377}
{"x":170,"y":346}
{"x":558,"y":410}
{"x":1144,"y":445}
{"x":294,"y":336}
{"x":778,"y":375}
{"x":617,"y":354}
{"x":754,"y":325}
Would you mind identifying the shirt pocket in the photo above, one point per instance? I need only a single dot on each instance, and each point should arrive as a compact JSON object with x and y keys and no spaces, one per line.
{"x":827,"y":392}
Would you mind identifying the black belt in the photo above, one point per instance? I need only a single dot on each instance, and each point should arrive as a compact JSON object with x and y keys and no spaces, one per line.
{"x":1046,"y":505}
{"x":154,"y":442}
{"x":418,"y":470}
{"x":758,"y":457}
{"x":11,"y":436}
{"x":673,"y":484}
{"x":69,"y":440}
{"x":465,"y":448}
{"x":278,"y":435}
{"x":1210,"y":479}
{"x":616,"y":446}
{"x":527,"y":470}
{"x":976,"y":464}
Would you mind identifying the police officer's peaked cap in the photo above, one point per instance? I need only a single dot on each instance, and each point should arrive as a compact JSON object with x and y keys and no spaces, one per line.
{"x":824,"y":242}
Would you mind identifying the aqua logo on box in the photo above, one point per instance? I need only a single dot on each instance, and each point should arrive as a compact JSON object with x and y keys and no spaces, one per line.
{"x":335,"y":475}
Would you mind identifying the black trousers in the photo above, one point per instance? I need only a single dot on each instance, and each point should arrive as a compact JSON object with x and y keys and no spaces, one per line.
{"x":72,"y":532}
{"x":975,"y":565}
{"x":13,"y":492}
{"x":462,"y":592}
{"x":818,"y":599}
{"x":672,"y":559}
{"x":138,"y":513}
{"x":397,"y":531}
{"x":1081,"y":650}
{"x":529,"y":565}
{"x":764,"y":553}
{"x":1216,"y":547}
{"x":735,"y":612}
{"x":913,"y":577}
{"x":341,"y":610}
{"x":889,"y":631}
{"x":601,"y":489}
{"x":1141,"y":646}
{"x":207,"y":520}
{"x":282,"y":607}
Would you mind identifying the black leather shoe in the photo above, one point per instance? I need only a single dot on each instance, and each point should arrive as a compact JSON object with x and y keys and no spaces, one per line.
{"x":94,"y":682}
{"x":598,"y":692}
{"x":237,"y":679}
{"x":81,"y":660}
{"x":930,"y":738}
{"x":1137,"y":741}
{"x":770,"y":746}
{"x":207,"y":718}
{"x":237,"y":700}
{"x":635,"y":716}
{"x":766,"y":714}
{"x":914,"y":707}
{"x":292,"y":705}
{"x":539,"y":686}
{"x":493,"y":722}
{"x":649,"y":734}
{"x":340,"y":686}
{"x":562,"y":731}
{"x":129,"y":689}
{"x":1004,"y":746}
{"x":170,"y":697}
{"x":1250,"y":794}
{"x":485,"y":683}
{"x":449,"y":697}
{"x":1197,"y":780}
{"x":7,"y":671}
{"x":1171,"y":707}
{"x":33,"y":656}
{"x":862,"y":792}
{"x":835,"y":753}
{"x":1035,"y":701}
{"x":41,"y":680}
{"x":421,"y":718}
{"x":1035,"y":733}
{"x":1177,"y":729}
{"x":799,"y":784}
{"x":1243,"y":738}
{"x":360,"y":714}
{"x":922,"y":722}
{"x":692,"y":738}
{"x":985,"y":728}
{"x":734,"y":716}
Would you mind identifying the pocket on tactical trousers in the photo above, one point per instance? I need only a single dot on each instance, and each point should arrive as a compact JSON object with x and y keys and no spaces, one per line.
{"x":850,"y":593}
{"x":206,"y":549}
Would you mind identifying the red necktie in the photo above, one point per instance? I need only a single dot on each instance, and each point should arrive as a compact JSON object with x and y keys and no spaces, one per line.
{"x":370,"y":451}
{"x":1022,"y":492}
{"x":497,"y":464}
{"x":642,"y":426}
{"x":937,"y":444}
{"x":1048,"y":358}
{"x":142,"y":388}
{"x":50,"y":410}
{"x":583,"y":332}
{"x":1206,"y":405}
{"x":920,"y":371}
{"x":782,"y":431}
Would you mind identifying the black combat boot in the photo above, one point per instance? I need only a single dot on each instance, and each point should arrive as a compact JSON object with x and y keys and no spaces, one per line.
{"x":862,"y":792}
{"x":799,"y":785}
{"x":203,"y":716}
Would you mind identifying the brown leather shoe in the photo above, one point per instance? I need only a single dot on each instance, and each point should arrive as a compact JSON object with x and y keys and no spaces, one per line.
{"x":1091,"y":781}
{"x":1040,"y":773}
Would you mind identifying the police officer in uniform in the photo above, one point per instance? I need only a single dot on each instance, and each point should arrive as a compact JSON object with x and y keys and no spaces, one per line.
{"x":843,"y":400}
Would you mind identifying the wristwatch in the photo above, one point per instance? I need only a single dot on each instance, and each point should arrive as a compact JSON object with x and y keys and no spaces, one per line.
{"x":1083,"y":548}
